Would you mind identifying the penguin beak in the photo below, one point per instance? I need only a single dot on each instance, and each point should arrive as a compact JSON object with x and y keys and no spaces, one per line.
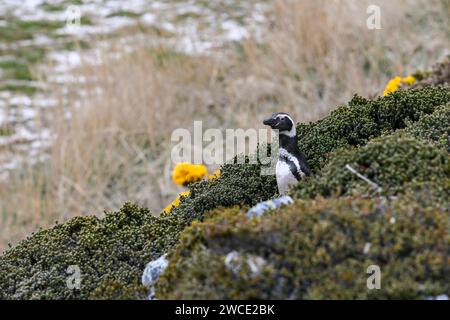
{"x":270,"y":122}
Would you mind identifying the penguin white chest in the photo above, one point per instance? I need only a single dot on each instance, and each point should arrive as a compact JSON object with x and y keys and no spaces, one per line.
{"x":284,"y":176}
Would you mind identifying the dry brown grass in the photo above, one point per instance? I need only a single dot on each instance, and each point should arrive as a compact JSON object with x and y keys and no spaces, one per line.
{"x":320,"y":53}
{"x":115,"y":147}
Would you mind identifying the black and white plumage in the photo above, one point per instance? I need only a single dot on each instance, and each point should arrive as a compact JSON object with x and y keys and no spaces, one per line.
{"x":292,"y":164}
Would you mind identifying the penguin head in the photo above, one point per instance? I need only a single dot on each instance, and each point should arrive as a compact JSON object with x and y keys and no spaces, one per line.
{"x":282,"y":122}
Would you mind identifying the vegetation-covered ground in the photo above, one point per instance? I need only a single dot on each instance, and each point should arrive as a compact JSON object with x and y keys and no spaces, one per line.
{"x":313,"y":249}
{"x":318,"y":247}
{"x":78,"y":131}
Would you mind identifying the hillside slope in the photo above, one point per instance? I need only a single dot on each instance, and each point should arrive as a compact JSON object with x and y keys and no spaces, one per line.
{"x":319,"y":247}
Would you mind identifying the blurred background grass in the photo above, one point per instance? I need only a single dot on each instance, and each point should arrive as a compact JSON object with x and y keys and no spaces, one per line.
{"x":111,"y":125}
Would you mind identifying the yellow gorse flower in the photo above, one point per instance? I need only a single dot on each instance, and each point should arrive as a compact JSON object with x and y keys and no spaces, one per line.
{"x":396,"y":82}
{"x":409,"y":80}
{"x":392,"y":85}
{"x":185,"y":173}
{"x":214,"y":175}
{"x":176,"y":202}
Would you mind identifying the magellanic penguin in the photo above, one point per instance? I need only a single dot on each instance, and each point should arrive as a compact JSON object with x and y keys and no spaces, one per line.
{"x":291,"y":165}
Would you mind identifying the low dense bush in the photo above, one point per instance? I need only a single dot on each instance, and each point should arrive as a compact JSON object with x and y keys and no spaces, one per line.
{"x":116,"y":247}
{"x":429,"y":193}
{"x":361,"y":120}
{"x":238,"y":184}
{"x":112,"y":252}
{"x":315,"y":249}
{"x":389,"y":161}
{"x":434,"y":127}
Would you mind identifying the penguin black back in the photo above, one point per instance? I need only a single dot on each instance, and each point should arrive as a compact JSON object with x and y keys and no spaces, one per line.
{"x":292,"y":164}
{"x":290,"y":144}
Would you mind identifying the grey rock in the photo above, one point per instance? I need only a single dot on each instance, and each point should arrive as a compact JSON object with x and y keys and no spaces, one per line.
{"x":152,"y":272}
{"x":259,"y":209}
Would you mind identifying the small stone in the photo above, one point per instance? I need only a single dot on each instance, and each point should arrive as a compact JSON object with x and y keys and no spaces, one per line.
{"x":153,"y":270}
{"x":232,"y":261}
{"x":259,"y":209}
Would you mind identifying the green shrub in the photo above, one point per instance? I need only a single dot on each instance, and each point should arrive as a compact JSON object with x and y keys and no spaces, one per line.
{"x":112,"y":252}
{"x":429,"y":193}
{"x":238,"y":184}
{"x":316,"y":249}
{"x":433,"y":127}
{"x":361,"y":120}
{"x":389,"y":161}
{"x":112,"y":289}
{"x":107,"y":251}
